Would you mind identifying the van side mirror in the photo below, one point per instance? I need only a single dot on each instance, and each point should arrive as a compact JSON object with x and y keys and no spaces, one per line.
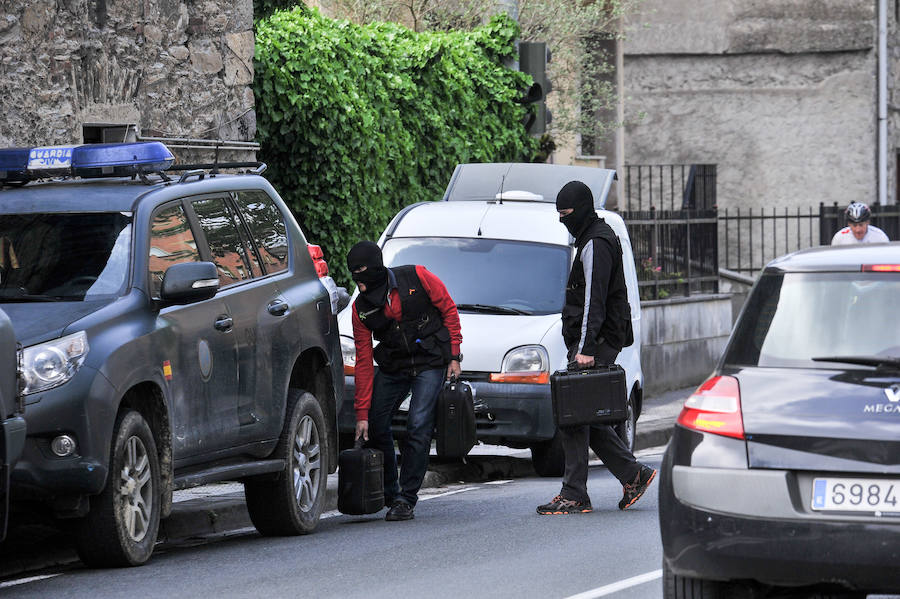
{"x":189,"y":282}
{"x":343,"y":298}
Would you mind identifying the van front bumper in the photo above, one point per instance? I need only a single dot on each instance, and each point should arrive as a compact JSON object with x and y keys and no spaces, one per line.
{"x":512,"y":414}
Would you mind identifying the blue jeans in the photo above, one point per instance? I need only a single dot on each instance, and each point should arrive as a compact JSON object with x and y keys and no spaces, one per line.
{"x":389,"y":391}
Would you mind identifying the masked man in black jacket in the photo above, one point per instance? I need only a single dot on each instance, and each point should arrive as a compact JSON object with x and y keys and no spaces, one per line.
{"x":596,"y":326}
{"x":408,"y":310}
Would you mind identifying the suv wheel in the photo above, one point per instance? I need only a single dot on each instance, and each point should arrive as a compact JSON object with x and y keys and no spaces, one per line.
{"x":292,"y":503}
{"x":626,"y":429}
{"x":548,"y":458}
{"x":123,"y":522}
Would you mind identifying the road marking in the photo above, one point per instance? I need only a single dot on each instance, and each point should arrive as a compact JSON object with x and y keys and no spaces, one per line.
{"x":618,"y":586}
{"x":12,"y":583}
{"x":448,"y":493}
{"x":497,"y":482}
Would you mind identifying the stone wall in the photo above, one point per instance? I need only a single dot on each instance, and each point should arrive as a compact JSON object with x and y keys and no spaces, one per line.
{"x":682,"y":340}
{"x":173,"y":68}
{"x":780,"y":94}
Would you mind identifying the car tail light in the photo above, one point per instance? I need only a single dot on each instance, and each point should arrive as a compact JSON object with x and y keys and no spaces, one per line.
{"x":520,"y":377}
{"x":715,"y":407}
{"x":881,"y":267}
{"x":318,"y":258}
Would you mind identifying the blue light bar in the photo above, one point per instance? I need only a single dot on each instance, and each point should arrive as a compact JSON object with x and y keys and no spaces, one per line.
{"x":103,"y":160}
{"x":14,"y":164}
{"x":89,"y":160}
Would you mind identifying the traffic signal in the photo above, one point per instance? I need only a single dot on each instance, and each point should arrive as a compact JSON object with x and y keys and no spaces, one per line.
{"x":533,"y":59}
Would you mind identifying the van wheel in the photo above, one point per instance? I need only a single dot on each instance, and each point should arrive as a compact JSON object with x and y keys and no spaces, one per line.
{"x":682,"y":587}
{"x":123,"y":522}
{"x":628,"y":427}
{"x":292,"y":503}
{"x":548,"y":458}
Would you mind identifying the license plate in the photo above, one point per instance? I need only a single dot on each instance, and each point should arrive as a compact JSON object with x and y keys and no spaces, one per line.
{"x":856,"y":495}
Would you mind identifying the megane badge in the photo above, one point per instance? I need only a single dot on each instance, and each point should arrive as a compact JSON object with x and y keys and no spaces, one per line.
{"x":893,"y":393}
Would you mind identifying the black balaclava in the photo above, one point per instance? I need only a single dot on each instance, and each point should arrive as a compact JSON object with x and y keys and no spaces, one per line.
{"x":375,"y":277}
{"x":577,"y":195}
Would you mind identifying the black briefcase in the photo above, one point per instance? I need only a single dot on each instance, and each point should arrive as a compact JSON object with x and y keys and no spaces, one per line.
{"x":589,"y":396}
{"x":455,"y":420}
{"x":360,"y":480}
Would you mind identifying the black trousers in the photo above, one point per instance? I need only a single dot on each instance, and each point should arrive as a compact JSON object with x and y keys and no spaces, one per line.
{"x":602,"y":438}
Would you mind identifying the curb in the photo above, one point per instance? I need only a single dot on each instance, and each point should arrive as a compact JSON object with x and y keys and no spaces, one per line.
{"x":226,"y":514}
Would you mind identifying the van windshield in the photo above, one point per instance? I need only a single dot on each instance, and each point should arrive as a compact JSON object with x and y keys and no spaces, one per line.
{"x":794,"y":317}
{"x":512,"y":275}
{"x":63,"y":256}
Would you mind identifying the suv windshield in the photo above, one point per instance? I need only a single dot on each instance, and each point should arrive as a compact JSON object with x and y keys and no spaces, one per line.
{"x":63,"y":256}
{"x":791,"y":318}
{"x":516,"y":275}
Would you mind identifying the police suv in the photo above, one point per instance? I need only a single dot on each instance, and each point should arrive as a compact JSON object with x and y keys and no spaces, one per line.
{"x":175,"y":330}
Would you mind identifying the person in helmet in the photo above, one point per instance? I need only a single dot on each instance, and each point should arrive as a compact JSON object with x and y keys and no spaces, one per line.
{"x":858,"y":229}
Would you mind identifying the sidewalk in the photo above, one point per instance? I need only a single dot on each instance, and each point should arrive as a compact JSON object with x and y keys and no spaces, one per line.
{"x":219,"y":509}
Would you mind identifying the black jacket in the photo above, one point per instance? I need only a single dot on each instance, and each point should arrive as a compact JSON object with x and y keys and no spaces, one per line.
{"x":419,"y":341}
{"x":597,"y":280}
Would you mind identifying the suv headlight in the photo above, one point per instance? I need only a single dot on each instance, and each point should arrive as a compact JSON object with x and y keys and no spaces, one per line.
{"x":51,"y":364}
{"x":526,"y":364}
{"x":348,"y":352}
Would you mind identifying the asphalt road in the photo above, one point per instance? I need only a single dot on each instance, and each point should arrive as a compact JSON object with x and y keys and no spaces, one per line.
{"x":476,"y":540}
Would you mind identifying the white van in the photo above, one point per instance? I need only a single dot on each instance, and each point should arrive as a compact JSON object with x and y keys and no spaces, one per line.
{"x":497,"y":244}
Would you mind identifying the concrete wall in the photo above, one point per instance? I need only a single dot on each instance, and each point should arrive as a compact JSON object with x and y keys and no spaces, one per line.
{"x":174,"y":68}
{"x":780,"y":94}
{"x":682,"y":339}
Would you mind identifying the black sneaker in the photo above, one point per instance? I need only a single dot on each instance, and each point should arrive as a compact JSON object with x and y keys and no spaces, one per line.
{"x":561,"y":505}
{"x":632,"y":491}
{"x":400,"y":510}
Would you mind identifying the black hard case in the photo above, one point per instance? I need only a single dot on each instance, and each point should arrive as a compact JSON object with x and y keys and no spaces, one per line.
{"x":360,"y":481}
{"x":589,"y":396}
{"x":455,"y":420}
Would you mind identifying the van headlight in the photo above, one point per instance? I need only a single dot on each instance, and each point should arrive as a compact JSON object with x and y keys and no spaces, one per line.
{"x":51,"y":364}
{"x":348,"y":352}
{"x":526,"y":364}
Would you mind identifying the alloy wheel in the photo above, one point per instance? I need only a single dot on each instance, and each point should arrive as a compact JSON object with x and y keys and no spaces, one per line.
{"x":307,"y":467}
{"x":136,"y":494}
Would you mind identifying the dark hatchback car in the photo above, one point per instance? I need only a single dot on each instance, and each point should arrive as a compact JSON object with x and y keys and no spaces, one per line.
{"x":176,"y":331}
{"x":783,"y":473}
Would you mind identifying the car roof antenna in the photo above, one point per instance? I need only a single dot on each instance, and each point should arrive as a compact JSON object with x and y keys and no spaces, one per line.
{"x":502,"y":181}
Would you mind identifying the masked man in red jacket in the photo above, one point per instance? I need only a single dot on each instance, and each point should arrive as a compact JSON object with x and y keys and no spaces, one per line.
{"x":408,"y":311}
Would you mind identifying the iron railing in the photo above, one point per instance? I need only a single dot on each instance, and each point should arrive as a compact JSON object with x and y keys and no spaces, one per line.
{"x":669,"y":187}
{"x":675,"y":251}
{"x":751,"y":237}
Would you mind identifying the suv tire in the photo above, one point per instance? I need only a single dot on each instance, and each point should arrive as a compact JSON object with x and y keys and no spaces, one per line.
{"x":292,"y":503}
{"x":548,"y":458}
{"x":123,"y":522}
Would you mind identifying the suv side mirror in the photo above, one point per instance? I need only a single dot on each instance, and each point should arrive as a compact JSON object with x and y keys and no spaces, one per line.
{"x":189,"y":282}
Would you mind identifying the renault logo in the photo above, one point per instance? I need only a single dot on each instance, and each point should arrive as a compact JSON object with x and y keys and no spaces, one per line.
{"x":893,"y":393}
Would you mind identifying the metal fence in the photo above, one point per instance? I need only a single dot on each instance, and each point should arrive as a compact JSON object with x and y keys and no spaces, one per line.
{"x":669,"y":187}
{"x":675,"y":251}
{"x":750,"y":238}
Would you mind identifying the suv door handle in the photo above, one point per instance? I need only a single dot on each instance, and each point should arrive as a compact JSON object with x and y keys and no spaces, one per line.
{"x":224,"y":323}
{"x":277,"y":307}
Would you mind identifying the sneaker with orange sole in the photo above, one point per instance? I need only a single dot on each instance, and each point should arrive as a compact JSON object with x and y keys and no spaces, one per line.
{"x":632,"y":491}
{"x":561,"y":505}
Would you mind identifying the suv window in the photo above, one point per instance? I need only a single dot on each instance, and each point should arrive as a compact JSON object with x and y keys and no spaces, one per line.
{"x":266,"y":225}
{"x":171,"y":242}
{"x":64,"y":256}
{"x":229,"y":253}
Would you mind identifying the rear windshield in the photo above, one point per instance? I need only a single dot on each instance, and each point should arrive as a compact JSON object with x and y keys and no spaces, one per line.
{"x":63,"y":256}
{"x":530,"y":277}
{"x":791,"y":318}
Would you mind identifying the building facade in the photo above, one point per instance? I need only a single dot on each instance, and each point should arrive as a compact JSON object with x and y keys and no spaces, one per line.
{"x":81,"y":71}
{"x":781,"y":95}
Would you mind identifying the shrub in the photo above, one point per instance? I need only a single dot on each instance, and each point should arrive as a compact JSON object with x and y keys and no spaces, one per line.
{"x":356,"y":122}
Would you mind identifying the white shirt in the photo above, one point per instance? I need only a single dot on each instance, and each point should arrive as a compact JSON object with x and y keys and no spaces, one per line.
{"x":846,"y":237}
